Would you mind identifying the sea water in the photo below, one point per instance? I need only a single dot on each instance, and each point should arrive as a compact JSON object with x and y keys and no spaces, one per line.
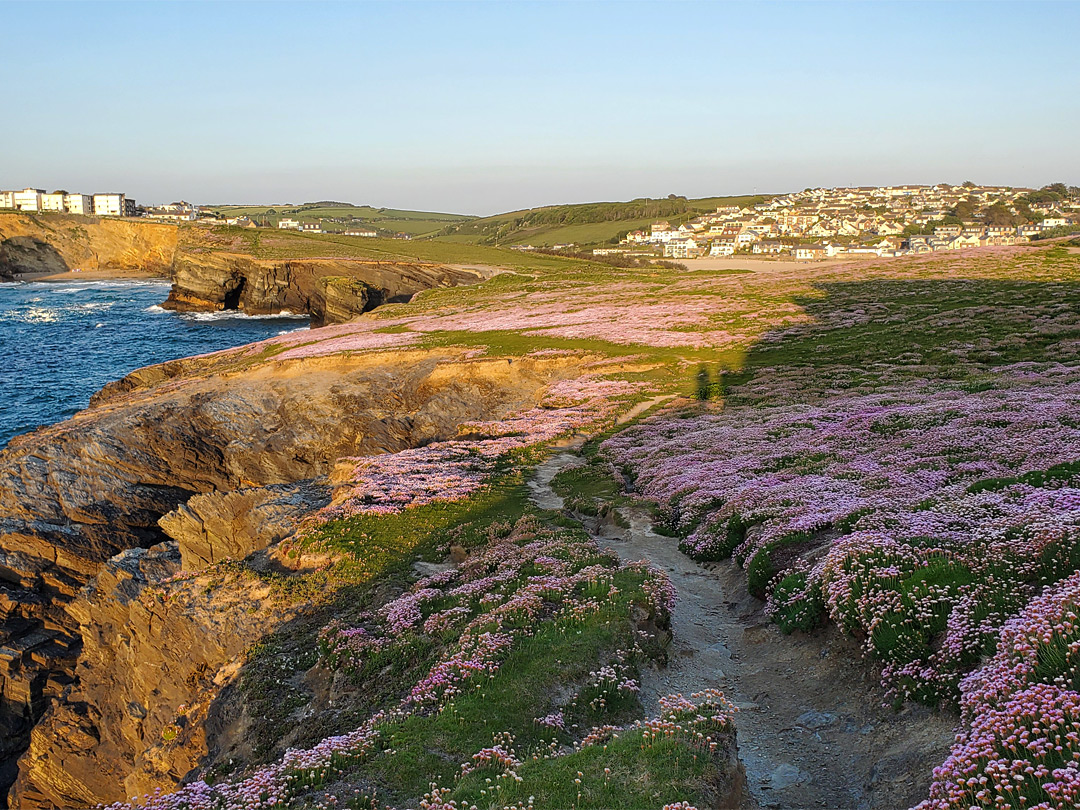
{"x":62,"y":341}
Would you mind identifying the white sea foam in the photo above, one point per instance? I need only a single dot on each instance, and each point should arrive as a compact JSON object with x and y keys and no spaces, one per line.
{"x":233,"y":314}
{"x":33,"y":315}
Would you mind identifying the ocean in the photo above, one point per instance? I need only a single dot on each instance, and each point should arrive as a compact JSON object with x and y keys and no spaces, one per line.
{"x":62,"y":341}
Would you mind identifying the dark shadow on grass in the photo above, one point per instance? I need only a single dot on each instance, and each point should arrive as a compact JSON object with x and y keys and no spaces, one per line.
{"x":935,"y":328}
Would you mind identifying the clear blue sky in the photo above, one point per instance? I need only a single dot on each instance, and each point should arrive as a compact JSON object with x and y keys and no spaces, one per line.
{"x":486,"y":107}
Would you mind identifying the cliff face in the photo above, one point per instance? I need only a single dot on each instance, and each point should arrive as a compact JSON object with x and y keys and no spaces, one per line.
{"x":228,"y":457}
{"x":332,"y":290}
{"x":36,"y":245}
{"x":137,"y":716}
{"x":208,"y":273}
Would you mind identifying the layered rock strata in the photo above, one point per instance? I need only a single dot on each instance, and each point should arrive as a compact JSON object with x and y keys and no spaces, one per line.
{"x":332,"y":290}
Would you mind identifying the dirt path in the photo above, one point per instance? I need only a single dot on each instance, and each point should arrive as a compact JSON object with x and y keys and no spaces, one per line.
{"x":812,"y":730}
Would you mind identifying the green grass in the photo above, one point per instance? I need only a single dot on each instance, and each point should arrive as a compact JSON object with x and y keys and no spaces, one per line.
{"x":385,"y":220}
{"x":590,"y":489}
{"x":377,"y":555}
{"x":274,"y":244}
{"x":627,"y":773}
{"x":866,"y":333}
{"x":538,"y":676}
{"x":378,"y":545}
{"x":585,"y":223}
{"x":558,"y":656}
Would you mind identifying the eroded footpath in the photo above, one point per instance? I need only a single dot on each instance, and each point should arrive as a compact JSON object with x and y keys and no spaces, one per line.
{"x":813,"y":727}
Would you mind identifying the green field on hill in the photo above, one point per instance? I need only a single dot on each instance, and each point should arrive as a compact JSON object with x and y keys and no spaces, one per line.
{"x":338,"y":216}
{"x":275,"y":244}
{"x":584,"y":223}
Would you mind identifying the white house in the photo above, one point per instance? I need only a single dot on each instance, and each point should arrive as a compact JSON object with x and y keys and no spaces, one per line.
{"x":963,"y":242}
{"x":661,"y":232}
{"x":7,"y":199}
{"x":722,"y":247}
{"x":173,"y":215}
{"x":53,"y":202}
{"x":111,"y":204}
{"x":810,"y":252}
{"x":682,"y":248}
{"x":769,"y":248}
{"x":367,"y":233}
{"x":78,"y":203}
{"x":29,"y":199}
{"x":887,"y":228}
{"x":289,"y":224}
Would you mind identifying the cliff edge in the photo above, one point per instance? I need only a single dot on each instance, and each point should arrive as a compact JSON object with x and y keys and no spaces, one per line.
{"x":38,"y":245}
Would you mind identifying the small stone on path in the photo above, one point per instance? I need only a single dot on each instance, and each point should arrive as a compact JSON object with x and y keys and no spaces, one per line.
{"x":813,"y":719}
{"x":786,"y":775}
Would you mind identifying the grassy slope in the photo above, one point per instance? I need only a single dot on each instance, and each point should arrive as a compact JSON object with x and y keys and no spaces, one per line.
{"x":386,"y":220}
{"x":918,"y":326}
{"x":581,"y":223}
{"x":538,"y":675}
{"x":267,"y":244}
{"x":584,"y":224}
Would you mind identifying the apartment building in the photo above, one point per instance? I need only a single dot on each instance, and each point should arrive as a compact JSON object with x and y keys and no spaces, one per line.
{"x":53,"y":202}
{"x":78,"y":203}
{"x":29,"y":199}
{"x":113,"y":204}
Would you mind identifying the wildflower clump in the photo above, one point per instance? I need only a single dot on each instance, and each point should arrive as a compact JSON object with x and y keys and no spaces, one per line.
{"x":455,"y":469}
{"x":1021,"y":746}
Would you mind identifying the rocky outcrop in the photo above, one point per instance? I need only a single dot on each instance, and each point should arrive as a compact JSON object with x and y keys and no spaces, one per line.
{"x":231,"y":525}
{"x":332,"y":290}
{"x":27,"y":257}
{"x":211,"y":271}
{"x":239,"y":452}
{"x":136,"y":718}
{"x":337,"y":299}
{"x":36,"y":245}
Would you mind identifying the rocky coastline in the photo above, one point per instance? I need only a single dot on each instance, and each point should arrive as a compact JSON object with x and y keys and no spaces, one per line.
{"x":173,"y":468}
{"x":167,"y":473}
{"x":207,"y":276}
{"x":330,"y":290}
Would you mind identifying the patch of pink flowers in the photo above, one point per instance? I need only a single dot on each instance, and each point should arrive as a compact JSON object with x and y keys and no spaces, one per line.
{"x":574,"y":565}
{"x":1021,"y":747}
{"x":887,"y":485}
{"x":454,"y":470}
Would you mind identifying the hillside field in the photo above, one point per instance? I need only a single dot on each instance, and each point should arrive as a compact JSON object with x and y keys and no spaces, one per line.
{"x":584,"y":224}
{"x":387,"y":221}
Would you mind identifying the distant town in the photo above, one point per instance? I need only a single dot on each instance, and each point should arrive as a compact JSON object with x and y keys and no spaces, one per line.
{"x":813,"y":224}
{"x":868,"y":221}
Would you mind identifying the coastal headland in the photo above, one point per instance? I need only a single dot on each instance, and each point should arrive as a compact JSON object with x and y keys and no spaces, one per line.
{"x":212,"y":269}
{"x":402,"y":555}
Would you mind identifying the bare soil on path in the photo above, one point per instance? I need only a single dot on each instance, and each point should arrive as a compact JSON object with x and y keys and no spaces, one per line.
{"x":812,"y":728}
